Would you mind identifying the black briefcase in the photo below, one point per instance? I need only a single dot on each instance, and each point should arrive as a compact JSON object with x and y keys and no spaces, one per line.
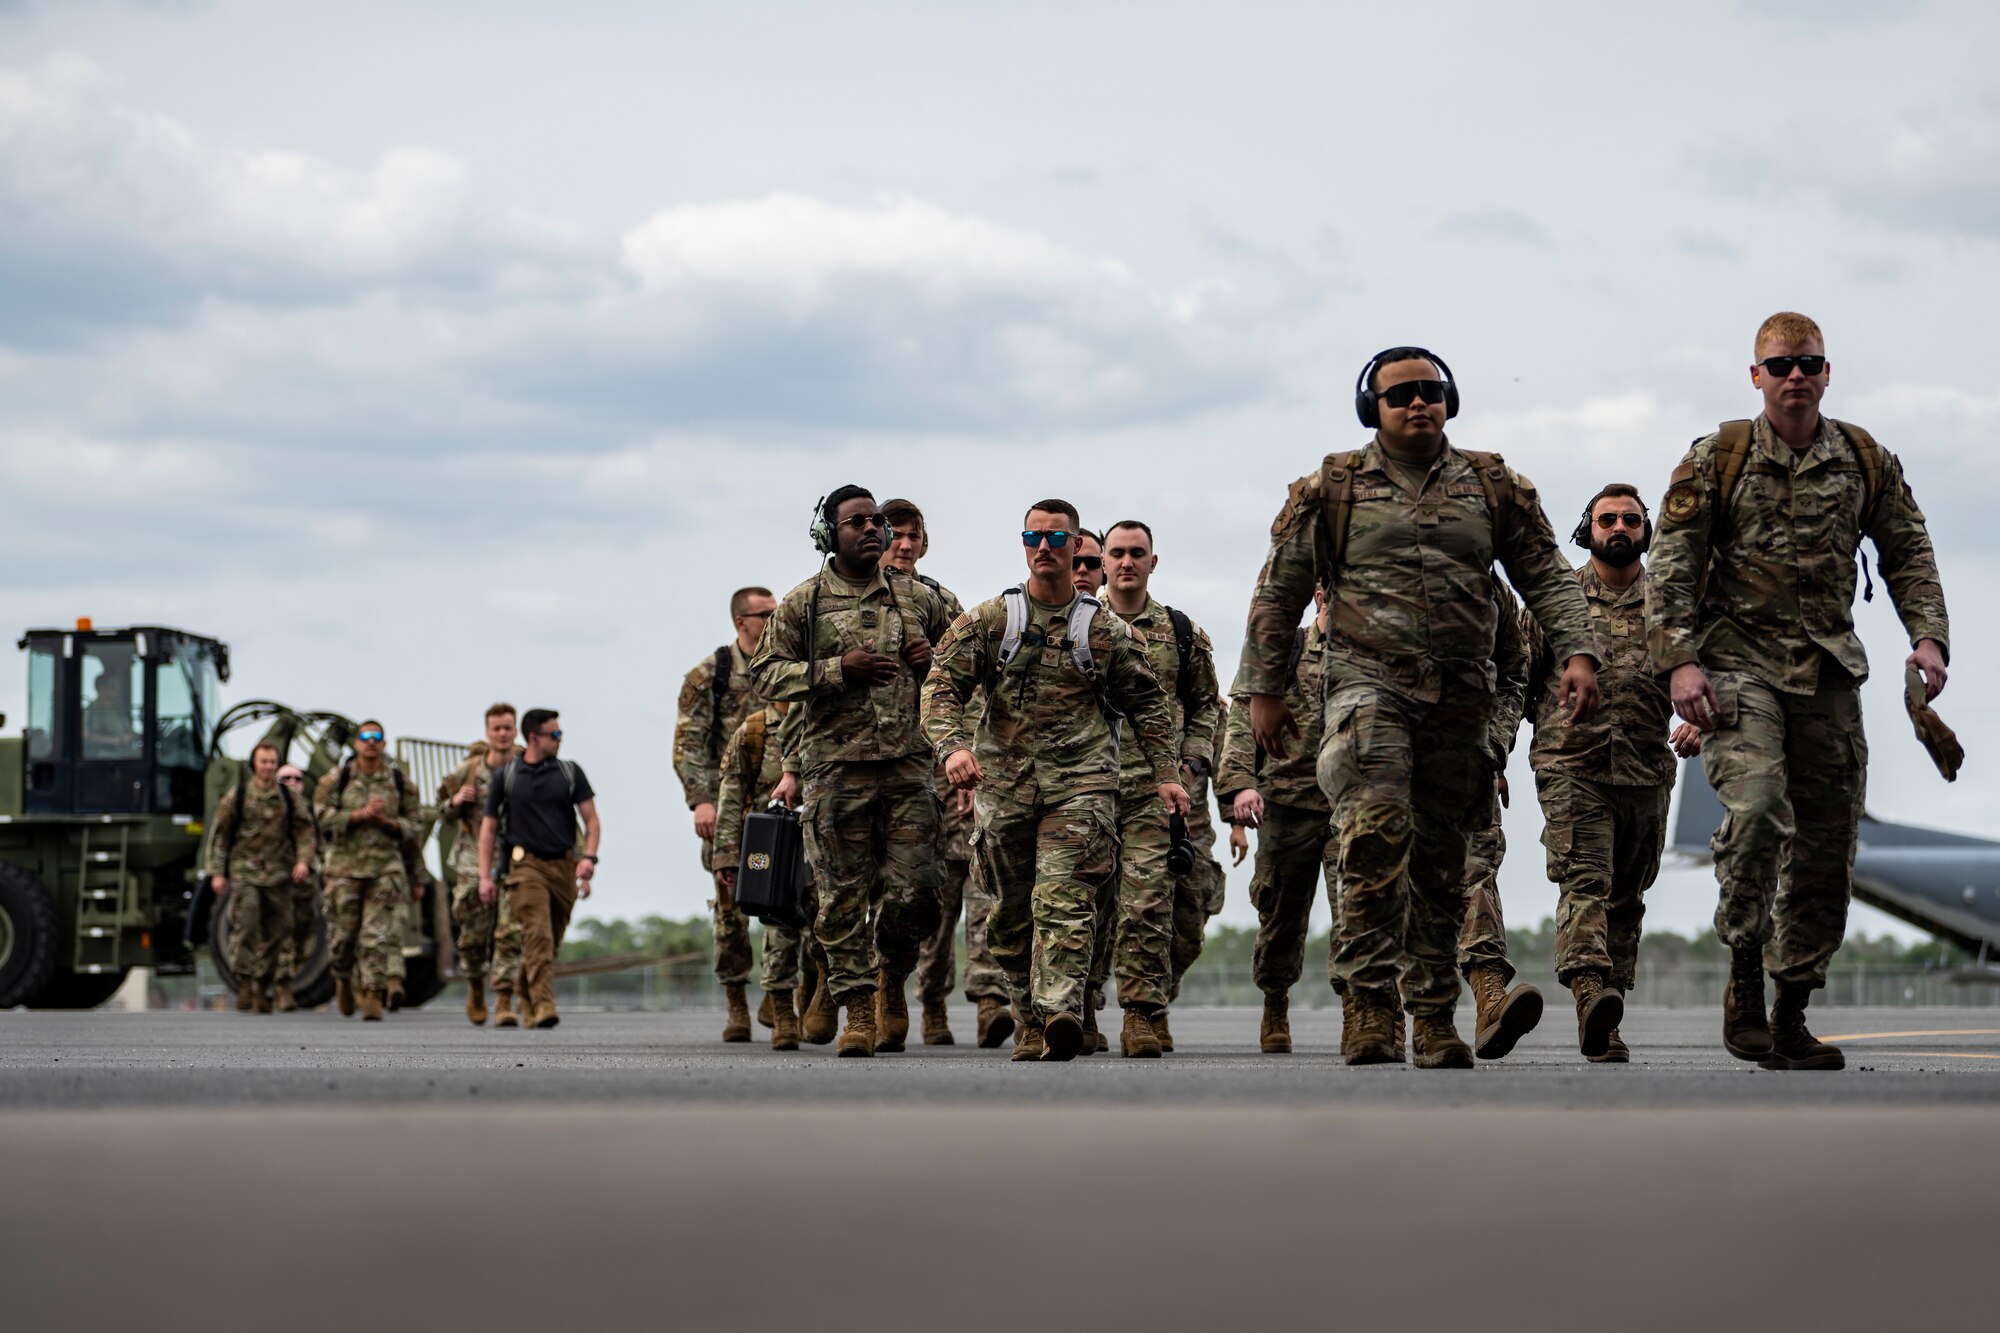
{"x":771,"y":881}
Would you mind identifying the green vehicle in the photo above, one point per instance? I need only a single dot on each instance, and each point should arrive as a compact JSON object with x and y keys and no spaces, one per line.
{"x":103,"y":798}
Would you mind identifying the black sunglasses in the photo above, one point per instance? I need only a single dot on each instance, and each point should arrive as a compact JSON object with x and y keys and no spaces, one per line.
{"x":1781,"y":366}
{"x":863,"y":522}
{"x":1402,"y":395}
{"x":1086,"y":562}
{"x":1610,"y":521}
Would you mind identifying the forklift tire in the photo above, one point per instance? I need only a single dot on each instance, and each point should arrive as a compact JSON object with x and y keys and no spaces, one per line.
{"x":312,"y":987}
{"x":79,"y":990}
{"x":28,"y":929}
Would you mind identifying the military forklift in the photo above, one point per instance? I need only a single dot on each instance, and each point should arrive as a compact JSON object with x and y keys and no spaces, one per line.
{"x":103,"y":800}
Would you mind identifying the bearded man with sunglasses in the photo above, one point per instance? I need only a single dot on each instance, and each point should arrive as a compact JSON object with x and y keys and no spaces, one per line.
{"x":1749,"y":607}
{"x":716,"y":696}
{"x":1603,"y":784}
{"x":1404,"y":535}
{"x":851,"y":647}
{"x":1057,"y":673}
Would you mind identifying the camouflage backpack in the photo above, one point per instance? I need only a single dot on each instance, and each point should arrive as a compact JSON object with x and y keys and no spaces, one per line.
{"x":1732,"y":457}
{"x":1336,"y":494}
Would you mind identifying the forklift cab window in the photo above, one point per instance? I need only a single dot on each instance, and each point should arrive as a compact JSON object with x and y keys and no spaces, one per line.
{"x":114,"y":702}
{"x":43,"y":732}
{"x":187,"y":698}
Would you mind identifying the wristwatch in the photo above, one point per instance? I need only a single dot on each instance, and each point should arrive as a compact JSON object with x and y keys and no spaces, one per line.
{"x":589,"y":856}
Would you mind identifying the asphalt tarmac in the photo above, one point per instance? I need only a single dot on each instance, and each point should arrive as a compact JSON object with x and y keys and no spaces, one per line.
{"x":209,"y":1170}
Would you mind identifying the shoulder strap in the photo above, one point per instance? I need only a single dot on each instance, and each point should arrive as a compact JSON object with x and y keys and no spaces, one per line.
{"x":718,"y":688}
{"x":340,"y":787}
{"x":1336,"y":490}
{"x":1016,"y":599}
{"x":1078,"y":630}
{"x":402,"y":783}
{"x":1498,"y":483}
{"x":929,"y":582}
{"x":1298,"y":652}
{"x":569,"y":776}
{"x":754,"y":736}
{"x":236,"y":824}
{"x":1184,"y":646}
{"x":1732,"y":454}
{"x":1874,"y":460}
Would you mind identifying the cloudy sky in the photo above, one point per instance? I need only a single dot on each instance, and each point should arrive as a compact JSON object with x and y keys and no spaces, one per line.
{"x":433,"y":354}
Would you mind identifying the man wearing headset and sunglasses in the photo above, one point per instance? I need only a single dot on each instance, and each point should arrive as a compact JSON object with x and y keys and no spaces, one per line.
{"x":851,"y":647}
{"x":1404,"y":534}
{"x":1750,"y":607}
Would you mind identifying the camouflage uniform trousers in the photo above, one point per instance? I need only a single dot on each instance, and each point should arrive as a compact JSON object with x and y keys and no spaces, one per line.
{"x":1408,"y":781}
{"x":1142,"y":949}
{"x":1604,"y":842}
{"x":786,"y":949}
{"x":1046,"y":864}
{"x":364,"y":935}
{"x":297,"y":950}
{"x":260,"y":926}
{"x":1483,"y":939}
{"x":733,"y":958}
{"x":1791,"y":771}
{"x":984,"y":978}
{"x":1294,"y":847}
{"x":489,"y":939}
{"x":937,"y":966}
{"x":871,"y":833}
{"x":1199,"y":894}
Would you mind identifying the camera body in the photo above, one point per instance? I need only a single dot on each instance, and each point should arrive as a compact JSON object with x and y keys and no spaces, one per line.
{"x":1180,"y":847}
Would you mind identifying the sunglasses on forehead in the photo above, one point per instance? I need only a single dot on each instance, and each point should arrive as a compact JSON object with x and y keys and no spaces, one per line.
{"x":1781,"y":367}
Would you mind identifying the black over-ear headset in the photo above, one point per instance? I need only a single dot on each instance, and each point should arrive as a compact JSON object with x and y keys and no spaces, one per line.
{"x":1581,"y":536}
{"x":1365,"y":405}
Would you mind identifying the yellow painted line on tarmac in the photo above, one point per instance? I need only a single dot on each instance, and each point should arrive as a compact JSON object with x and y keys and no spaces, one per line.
{"x":1934,"y":1032}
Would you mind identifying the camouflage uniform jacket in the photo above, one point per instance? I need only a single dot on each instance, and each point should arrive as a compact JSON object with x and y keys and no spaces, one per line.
{"x":956,"y":828}
{"x":743,"y":792}
{"x":1413,"y":600}
{"x":366,"y":851}
{"x":1044,"y":735}
{"x":1194,"y":729}
{"x":1625,"y":745}
{"x":1780,"y":573}
{"x":1291,"y":781}
{"x":265,"y":850}
{"x":694,"y":761}
{"x":465,"y":841}
{"x":846,"y":723}
{"x":1510,"y":674}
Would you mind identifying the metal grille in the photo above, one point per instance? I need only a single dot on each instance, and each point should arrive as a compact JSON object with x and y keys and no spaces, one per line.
{"x":429,"y":763}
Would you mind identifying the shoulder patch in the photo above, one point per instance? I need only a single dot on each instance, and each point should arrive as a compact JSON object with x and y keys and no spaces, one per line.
{"x":692,"y":693}
{"x":1300,"y":503}
{"x":1202,"y":641}
{"x":1683,"y":502}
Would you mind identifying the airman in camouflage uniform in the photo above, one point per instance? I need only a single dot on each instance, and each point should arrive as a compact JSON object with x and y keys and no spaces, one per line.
{"x":715,"y":698}
{"x":1504,"y":1016}
{"x":851,"y":646}
{"x":1281,"y":799}
{"x":489,"y":939}
{"x":297,"y":948}
{"x":1046,"y":763}
{"x":1604,"y":784}
{"x":1409,"y":685}
{"x":1143,"y":950}
{"x":1749,"y":604}
{"x":1200,"y":895}
{"x":753,"y":766}
{"x":260,"y":845}
{"x":367,"y":811}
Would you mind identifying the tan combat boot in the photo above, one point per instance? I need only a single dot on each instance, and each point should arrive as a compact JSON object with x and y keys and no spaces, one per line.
{"x":1062,"y":1037}
{"x":822,"y":1020}
{"x":1368,"y":1028}
{"x":1159,"y":1021}
{"x":1091,"y":1036}
{"x":245,"y":1004}
{"x":736,"y":1027}
{"x":858,"y":1038}
{"x":282,"y":998}
{"x":1435,"y":1043}
{"x":343,"y":996}
{"x":1028,"y":1044}
{"x":546,"y":1018}
{"x":393,"y":996}
{"x":260,"y":999}
{"x":1136,"y":1039}
{"x":784,"y":1022}
{"x":892,"y":1013}
{"x":937,"y":1022}
{"x":1504,"y":1016}
{"x":371,"y":1006}
{"x":1616,"y":1052}
{"x":475,"y":1000}
{"x":1274,"y":1034}
{"x":764,"y":1012}
{"x":503,"y":1010}
{"x":996,"y":1023}
{"x":1792,"y":1046}
{"x":1598,"y":1009}
{"x":1746,"y":1034}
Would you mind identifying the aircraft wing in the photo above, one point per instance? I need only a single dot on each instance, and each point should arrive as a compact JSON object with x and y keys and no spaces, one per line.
{"x":1945,"y":883}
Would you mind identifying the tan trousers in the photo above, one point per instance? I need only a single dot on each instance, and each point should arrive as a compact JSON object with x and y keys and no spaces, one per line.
{"x":540,"y":896}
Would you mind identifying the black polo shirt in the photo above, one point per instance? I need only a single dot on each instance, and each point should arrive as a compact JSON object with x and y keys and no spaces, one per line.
{"x":540,"y":812}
